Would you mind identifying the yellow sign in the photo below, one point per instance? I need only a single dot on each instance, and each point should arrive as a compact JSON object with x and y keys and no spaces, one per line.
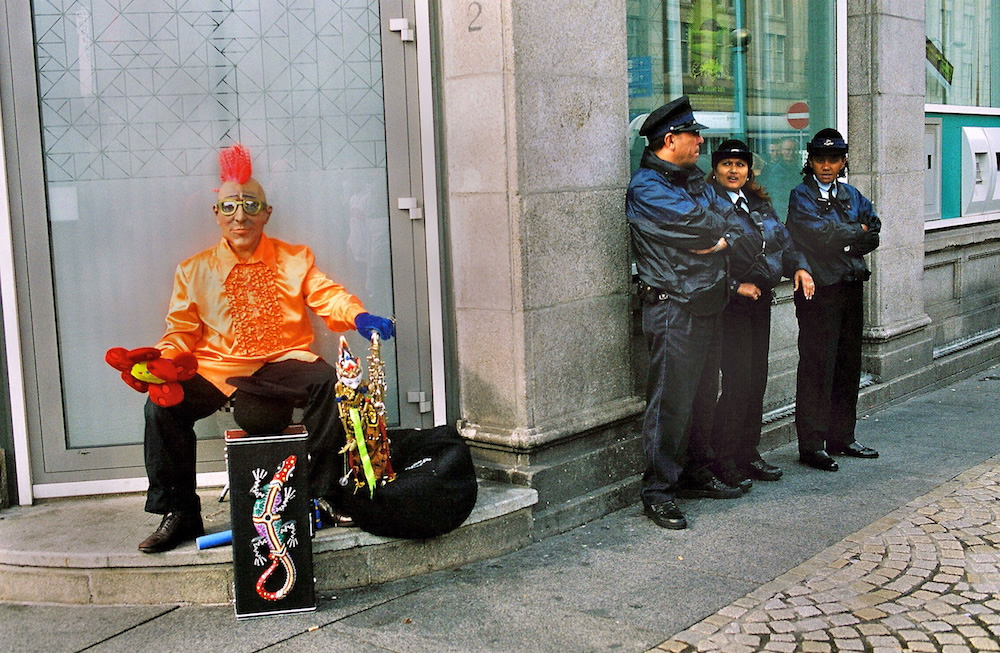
{"x":937,"y":59}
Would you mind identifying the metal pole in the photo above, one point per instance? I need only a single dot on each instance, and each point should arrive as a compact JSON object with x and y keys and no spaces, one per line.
{"x":740,"y":40}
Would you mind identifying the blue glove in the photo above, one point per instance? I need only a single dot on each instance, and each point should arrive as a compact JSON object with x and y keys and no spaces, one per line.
{"x":366,"y":323}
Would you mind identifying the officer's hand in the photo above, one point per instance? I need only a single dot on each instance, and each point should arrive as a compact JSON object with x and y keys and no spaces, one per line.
{"x":803,"y":281}
{"x":366,"y":323}
{"x":719,"y":246}
{"x":749,"y":290}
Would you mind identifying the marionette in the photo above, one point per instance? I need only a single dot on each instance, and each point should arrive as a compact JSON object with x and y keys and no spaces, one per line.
{"x":361,"y":406}
{"x":433,"y":488}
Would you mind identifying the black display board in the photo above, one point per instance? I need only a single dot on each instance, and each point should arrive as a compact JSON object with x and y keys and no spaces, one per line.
{"x":272,"y":527}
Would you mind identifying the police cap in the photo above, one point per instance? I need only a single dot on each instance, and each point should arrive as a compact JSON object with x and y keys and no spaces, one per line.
{"x":732,"y":149}
{"x":673,"y":117}
{"x":827,"y":141}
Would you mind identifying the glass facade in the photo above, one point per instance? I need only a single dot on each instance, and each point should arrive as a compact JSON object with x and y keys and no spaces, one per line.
{"x":763,"y":72}
{"x":136,"y":101}
{"x":962,"y":44}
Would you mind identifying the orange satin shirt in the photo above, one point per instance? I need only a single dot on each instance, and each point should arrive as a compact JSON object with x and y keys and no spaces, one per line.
{"x":237,"y":315}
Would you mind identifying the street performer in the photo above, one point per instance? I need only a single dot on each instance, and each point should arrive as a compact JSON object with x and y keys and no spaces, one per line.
{"x":240,"y":308}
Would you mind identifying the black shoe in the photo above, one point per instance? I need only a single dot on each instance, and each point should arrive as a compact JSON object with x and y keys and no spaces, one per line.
{"x":666,"y":515}
{"x":737,"y":479}
{"x":175,"y":528}
{"x":819,"y":460}
{"x":333,"y":515}
{"x":710,"y":488}
{"x":855,"y":449}
{"x":762,"y":471}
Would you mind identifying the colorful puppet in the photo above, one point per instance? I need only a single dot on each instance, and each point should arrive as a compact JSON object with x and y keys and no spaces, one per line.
{"x":362,"y":412}
{"x":145,"y":370}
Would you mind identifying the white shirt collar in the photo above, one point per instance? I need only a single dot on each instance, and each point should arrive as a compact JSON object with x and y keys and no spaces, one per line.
{"x":825,"y":189}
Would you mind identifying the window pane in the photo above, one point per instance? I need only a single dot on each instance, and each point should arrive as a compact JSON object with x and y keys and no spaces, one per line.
{"x":962,"y":45}
{"x":137,"y":99}
{"x":763,"y":72}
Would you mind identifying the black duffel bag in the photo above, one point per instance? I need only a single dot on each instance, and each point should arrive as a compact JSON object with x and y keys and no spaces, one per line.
{"x":433,"y":493}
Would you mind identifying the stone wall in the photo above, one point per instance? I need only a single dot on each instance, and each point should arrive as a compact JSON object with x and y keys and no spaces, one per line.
{"x":534,"y":100}
{"x":961,"y":284}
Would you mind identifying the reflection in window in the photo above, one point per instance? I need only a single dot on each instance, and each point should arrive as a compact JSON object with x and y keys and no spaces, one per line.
{"x":776,"y":57}
{"x":699,"y":47}
{"x":685,"y":46}
{"x":962,"y":44}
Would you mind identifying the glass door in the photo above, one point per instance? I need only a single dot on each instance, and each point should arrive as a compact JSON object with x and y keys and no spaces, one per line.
{"x":133,"y":101}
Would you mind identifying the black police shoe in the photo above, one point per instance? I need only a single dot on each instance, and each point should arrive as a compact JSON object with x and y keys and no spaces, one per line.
{"x":666,"y":515}
{"x":761,"y":470}
{"x":855,"y":449}
{"x":819,"y":460}
{"x":736,"y":478}
{"x":709,"y":487}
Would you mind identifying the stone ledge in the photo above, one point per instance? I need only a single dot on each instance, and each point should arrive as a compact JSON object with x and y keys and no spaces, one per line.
{"x":88,"y":560}
{"x":525,"y":440}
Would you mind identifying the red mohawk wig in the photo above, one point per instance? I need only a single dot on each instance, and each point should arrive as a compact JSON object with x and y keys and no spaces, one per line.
{"x":234,"y":164}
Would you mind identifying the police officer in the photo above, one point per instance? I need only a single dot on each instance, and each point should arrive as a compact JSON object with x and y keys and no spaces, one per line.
{"x":834,"y":225}
{"x":763,"y":255}
{"x":680,"y":230}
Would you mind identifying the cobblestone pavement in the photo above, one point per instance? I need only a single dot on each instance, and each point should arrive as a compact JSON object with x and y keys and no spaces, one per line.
{"x":924,"y":578}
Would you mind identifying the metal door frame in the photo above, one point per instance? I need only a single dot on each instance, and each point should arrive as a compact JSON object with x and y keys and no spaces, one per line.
{"x":38,"y":422}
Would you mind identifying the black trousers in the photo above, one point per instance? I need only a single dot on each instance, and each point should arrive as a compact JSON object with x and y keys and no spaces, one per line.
{"x":746,"y":333}
{"x":169,"y":446}
{"x":829,"y":372}
{"x":681,"y":389}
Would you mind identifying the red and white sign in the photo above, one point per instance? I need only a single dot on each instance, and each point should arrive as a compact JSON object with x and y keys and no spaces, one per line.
{"x":798,"y":115}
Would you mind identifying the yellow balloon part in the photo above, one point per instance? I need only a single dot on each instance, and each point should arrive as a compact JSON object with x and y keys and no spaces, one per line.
{"x":141,"y":372}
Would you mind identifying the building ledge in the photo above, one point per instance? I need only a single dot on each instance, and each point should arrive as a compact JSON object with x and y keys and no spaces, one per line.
{"x":84,"y":550}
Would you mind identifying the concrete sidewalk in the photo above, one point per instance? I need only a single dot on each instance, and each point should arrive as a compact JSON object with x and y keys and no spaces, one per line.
{"x":897,"y":553}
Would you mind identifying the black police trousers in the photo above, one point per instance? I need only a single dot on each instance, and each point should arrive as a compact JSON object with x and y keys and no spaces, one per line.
{"x":681,"y":390}
{"x":746,"y":333}
{"x":829,"y":371}
{"x":169,"y":446}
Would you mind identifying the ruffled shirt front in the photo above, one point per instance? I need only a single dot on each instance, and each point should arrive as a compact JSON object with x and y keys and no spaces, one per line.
{"x":235,"y":316}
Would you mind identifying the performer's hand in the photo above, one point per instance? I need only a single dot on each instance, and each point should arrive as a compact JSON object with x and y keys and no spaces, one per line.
{"x":366,"y":323}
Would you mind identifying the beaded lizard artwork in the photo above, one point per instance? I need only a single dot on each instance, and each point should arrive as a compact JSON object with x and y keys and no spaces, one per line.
{"x":273,"y":533}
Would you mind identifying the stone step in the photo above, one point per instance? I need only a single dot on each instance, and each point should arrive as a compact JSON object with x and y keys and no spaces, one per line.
{"x":83,"y":550}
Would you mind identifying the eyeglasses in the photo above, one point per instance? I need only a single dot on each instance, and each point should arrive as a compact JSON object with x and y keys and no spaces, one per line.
{"x":250,"y":206}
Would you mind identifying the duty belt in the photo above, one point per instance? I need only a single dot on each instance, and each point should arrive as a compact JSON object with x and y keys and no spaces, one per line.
{"x":651,"y":295}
